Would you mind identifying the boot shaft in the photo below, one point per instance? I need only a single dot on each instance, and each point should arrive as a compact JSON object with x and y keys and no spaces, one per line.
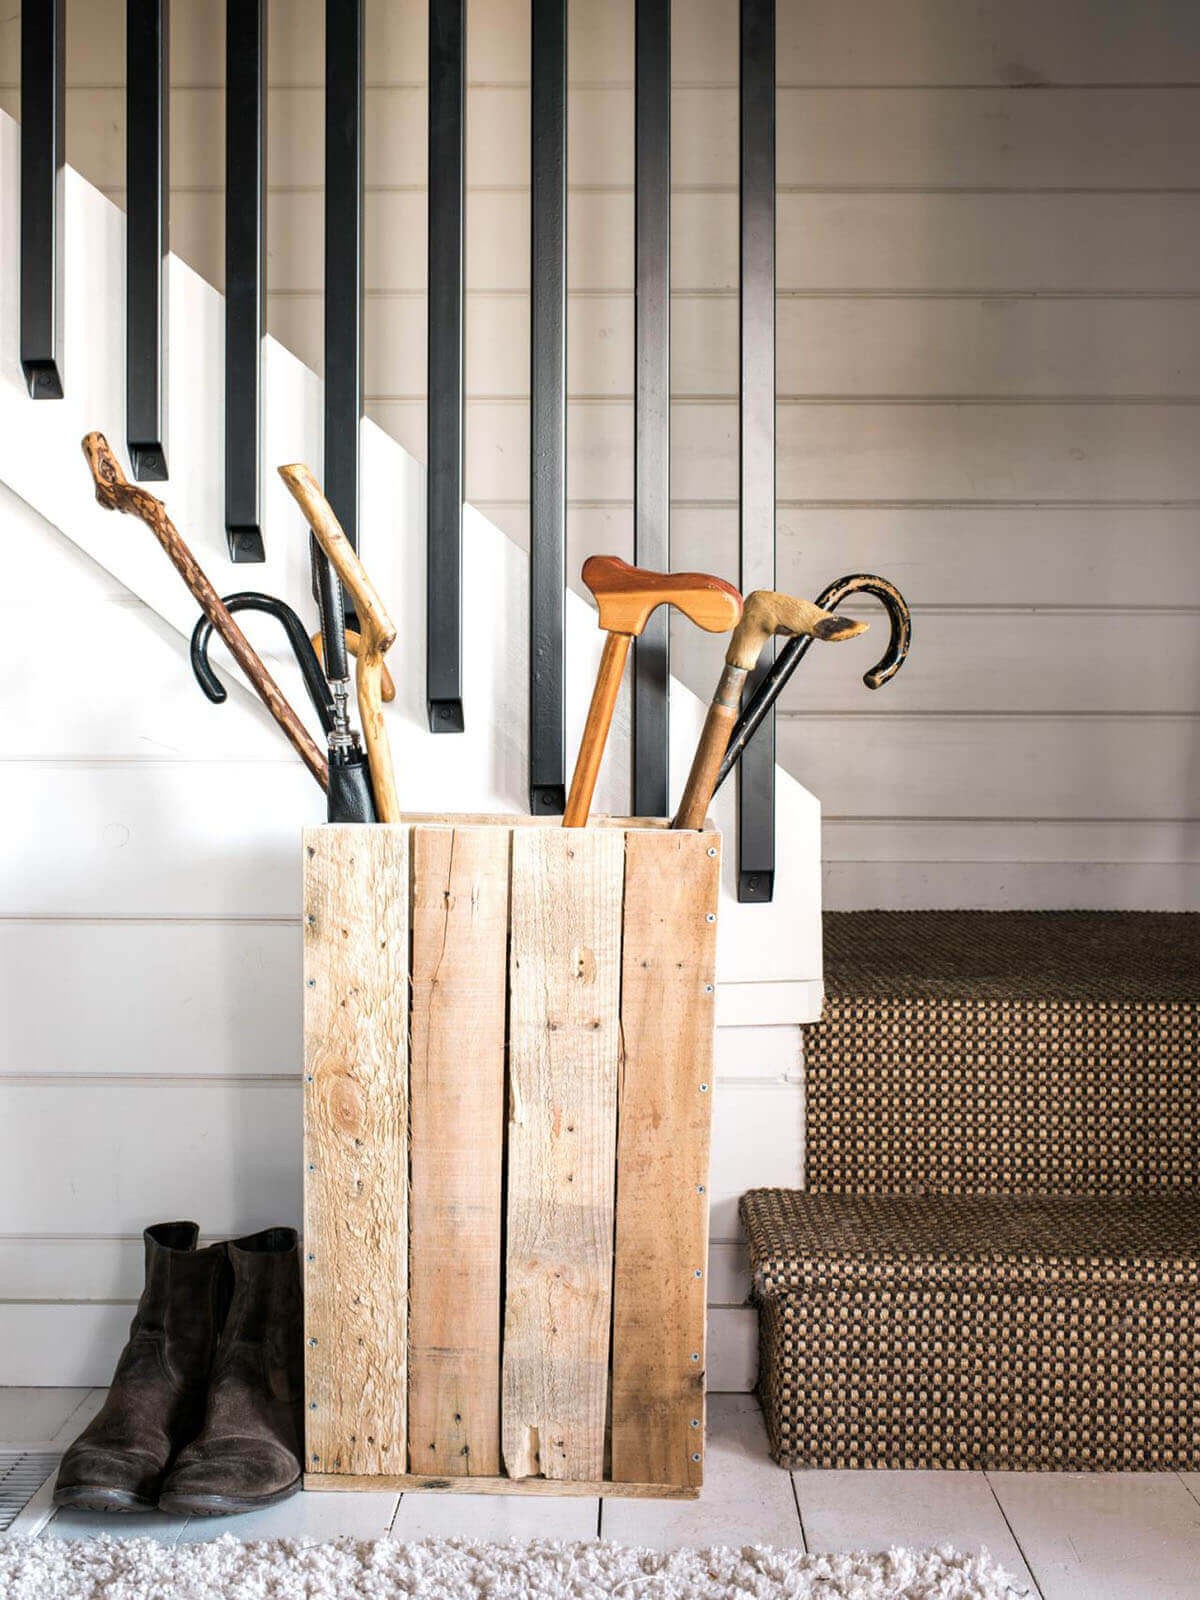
{"x":183,"y":1305}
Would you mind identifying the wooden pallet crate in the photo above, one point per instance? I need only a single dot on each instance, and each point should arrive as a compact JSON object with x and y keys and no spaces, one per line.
{"x":508,"y":1065}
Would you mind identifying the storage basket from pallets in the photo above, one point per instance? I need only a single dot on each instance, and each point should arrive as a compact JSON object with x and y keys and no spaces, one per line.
{"x":508,"y":1064}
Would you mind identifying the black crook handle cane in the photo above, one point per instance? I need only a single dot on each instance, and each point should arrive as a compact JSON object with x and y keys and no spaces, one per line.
{"x":790,"y":657}
{"x":306,"y":656}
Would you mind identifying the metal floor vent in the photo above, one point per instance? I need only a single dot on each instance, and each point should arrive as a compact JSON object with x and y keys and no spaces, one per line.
{"x":22,"y":1474}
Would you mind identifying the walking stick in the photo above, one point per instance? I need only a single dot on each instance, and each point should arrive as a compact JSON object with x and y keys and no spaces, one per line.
{"x":766,"y":613}
{"x":627,"y":597}
{"x":116,"y":493}
{"x":377,"y":631}
{"x":790,"y":657}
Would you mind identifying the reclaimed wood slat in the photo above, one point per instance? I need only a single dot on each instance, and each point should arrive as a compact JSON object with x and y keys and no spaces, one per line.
{"x":667,"y":1003}
{"x":459,"y":998}
{"x":356,"y":1147}
{"x":563,"y":1049}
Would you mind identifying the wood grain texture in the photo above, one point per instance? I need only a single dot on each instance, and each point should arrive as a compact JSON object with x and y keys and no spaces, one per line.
{"x":505,"y":1486}
{"x":564,"y":987}
{"x":356,"y":1147}
{"x":660,"y":1273}
{"x":459,"y":1001}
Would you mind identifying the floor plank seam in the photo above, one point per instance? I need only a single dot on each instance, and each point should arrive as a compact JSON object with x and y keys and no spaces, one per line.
{"x":799,"y":1513}
{"x":1033,"y":1577}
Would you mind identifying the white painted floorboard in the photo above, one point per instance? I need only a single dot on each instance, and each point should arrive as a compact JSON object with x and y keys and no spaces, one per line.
{"x":876,"y":1510}
{"x":1063,"y":1536}
{"x":746,"y":1498}
{"x":34,"y":1416}
{"x":495,"y":1516}
{"x":1105,"y":1536}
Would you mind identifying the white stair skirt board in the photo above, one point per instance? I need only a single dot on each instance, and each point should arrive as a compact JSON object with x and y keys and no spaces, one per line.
{"x":485,"y":769}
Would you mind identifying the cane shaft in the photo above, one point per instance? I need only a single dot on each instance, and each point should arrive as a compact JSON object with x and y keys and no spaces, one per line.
{"x":595,"y":732}
{"x":718,"y":725}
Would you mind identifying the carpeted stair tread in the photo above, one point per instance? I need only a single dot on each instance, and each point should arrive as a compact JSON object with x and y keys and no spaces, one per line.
{"x":799,"y":1240}
{"x":1014,"y":955}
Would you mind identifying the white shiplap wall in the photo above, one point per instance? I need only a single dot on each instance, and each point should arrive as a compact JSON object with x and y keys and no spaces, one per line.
{"x":989,"y":263}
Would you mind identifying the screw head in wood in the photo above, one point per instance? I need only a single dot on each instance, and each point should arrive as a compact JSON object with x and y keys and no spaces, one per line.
{"x":312,"y":1341}
{"x":310,"y":983}
{"x":695,"y":1355}
{"x":694,"y":1423}
{"x":695,"y":1456}
{"x":712,"y":849}
{"x":697,"y":1273}
{"x":703,"y":1088}
{"x":710,"y":916}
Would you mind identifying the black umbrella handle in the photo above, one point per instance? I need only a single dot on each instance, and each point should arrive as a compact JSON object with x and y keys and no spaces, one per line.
{"x":306,"y":656}
{"x":789,"y":658}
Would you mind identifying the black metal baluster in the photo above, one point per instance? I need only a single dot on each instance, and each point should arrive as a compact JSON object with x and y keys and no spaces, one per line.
{"x":344,"y":102}
{"x":652,"y":395}
{"x":548,"y":410}
{"x":147,"y":213}
{"x":245,"y":270}
{"x":443,"y":646}
{"x":43,"y":143}
{"x":756,"y":772}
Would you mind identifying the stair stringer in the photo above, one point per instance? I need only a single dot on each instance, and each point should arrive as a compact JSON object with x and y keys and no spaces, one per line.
{"x":769,"y":959}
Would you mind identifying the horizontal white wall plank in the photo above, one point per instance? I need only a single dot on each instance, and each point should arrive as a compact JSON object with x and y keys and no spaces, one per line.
{"x":1143,"y":138}
{"x":126,"y":1153}
{"x":1129,"y":841}
{"x":855,"y":346}
{"x":1011,"y":886}
{"x":896,"y":242}
{"x":962,"y":766}
{"x":212,"y":998}
{"x":941,"y":452}
{"x":63,"y":1344}
{"x":923,"y":42}
{"x":114,"y":1156}
{"x":938,"y":555}
{"x":72,"y":1267}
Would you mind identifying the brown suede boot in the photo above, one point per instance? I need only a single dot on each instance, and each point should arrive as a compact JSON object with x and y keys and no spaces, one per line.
{"x":156,"y":1402}
{"x":248,"y":1453}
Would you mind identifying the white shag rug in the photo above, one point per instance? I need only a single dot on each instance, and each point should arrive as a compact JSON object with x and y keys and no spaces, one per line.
{"x":459,"y":1569}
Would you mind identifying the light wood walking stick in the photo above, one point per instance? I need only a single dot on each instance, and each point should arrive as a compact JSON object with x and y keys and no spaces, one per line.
{"x":116,"y":493}
{"x":627,"y":597}
{"x":376,"y":629}
{"x":766,"y":613}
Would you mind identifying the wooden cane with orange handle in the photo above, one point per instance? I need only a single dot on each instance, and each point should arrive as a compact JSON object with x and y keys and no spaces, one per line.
{"x":116,"y":493}
{"x":377,"y":631}
{"x":766,"y":612}
{"x":627,"y":597}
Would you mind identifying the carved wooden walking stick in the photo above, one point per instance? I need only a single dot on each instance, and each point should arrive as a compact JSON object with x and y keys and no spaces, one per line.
{"x":767,"y":612}
{"x":627,"y":597}
{"x":377,"y":631}
{"x":116,"y":493}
